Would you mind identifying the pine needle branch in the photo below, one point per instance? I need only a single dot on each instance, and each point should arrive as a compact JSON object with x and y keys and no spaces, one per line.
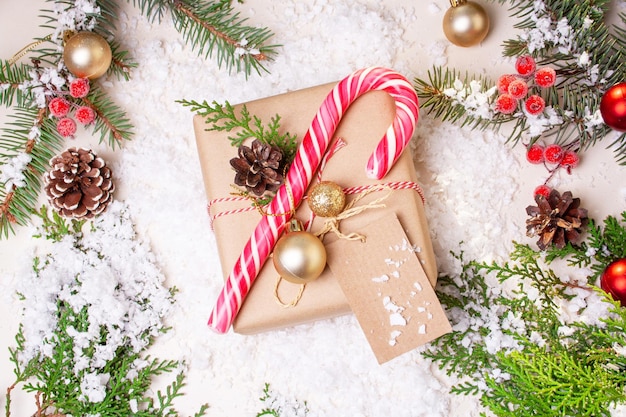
{"x":11,"y":77}
{"x":214,"y":29}
{"x":111,"y":122}
{"x":587,"y":55}
{"x":18,"y":203}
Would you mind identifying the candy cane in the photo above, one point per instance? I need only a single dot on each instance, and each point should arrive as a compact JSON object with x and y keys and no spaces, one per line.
{"x":305,"y":163}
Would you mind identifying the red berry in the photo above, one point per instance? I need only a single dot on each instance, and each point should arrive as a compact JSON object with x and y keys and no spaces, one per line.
{"x":504,"y":81}
{"x":85,"y":115}
{"x":66,"y":127}
{"x":543,"y":190}
{"x":59,"y":106}
{"x":506,"y":104}
{"x":545,"y":77}
{"x":570,"y":159}
{"x":553,"y":153}
{"x":535,"y":105}
{"x":525,"y":65}
{"x":534,"y":155}
{"x":79,"y":87}
{"x":518,"y":89}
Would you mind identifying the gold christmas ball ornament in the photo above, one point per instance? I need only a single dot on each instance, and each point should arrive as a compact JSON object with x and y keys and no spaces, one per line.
{"x":87,"y":55}
{"x":326,"y":199}
{"x":466,"y":23}
{"x":299,"y":256}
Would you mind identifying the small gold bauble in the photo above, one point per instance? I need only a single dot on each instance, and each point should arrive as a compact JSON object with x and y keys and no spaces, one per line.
{"x":326,"y":199}
{"x":299,"y":257}
{"x":87,"y":55}
{"x":465,"y":23}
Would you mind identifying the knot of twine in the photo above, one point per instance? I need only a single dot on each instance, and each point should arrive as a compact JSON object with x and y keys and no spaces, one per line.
{"x":331,"y":225}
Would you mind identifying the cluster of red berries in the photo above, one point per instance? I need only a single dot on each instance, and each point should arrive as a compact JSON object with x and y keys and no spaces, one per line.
{"x":554,"y":157}
{"x":515,"y":87}
{"x":60,"y":108}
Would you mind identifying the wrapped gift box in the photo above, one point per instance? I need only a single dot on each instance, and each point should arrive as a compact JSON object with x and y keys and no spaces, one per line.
{"x":361,"y":128}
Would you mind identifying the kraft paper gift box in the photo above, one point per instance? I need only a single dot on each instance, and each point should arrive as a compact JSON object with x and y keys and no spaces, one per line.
{"x":361,"y":127}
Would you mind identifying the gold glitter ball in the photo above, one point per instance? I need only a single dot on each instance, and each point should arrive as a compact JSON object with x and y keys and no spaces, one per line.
{"x":326,"y":199}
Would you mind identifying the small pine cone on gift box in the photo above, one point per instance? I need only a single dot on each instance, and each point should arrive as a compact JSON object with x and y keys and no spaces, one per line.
{"x":556,"y":220}
{"x":259,"y":167}
{"x":79,"y":184}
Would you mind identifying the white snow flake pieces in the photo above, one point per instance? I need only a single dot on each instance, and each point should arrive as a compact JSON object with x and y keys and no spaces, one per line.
{"x":12,"y":172}
{"x":391,"y":306}
{"x":433,"y":8}
{"x":382,"y":278}
{"x":113,"y":275}
{"x":397,"y":319}
{"x":93,"y":386}
{"x":472,"y":97}
{"x":421,"y":329}
{"x":393,"y":336}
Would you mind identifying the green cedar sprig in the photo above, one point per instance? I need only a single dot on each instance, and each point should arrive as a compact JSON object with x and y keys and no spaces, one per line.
{"x":244,"y":125}
{"x":53,"y":378}
{"x":270,"y":398}
{"x":546,"y":367}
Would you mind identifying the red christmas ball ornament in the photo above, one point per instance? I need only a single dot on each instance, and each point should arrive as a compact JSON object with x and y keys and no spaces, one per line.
{"x":613,"y":107}
{"x":613,"y":280}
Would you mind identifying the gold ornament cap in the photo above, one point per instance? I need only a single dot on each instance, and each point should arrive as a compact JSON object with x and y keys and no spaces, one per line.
{"x":299,"y":256}
{"x":326,"y":199}
{"x":87,"y":55}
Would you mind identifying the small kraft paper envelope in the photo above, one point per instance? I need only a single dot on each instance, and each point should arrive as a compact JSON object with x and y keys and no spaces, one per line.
{"x":362,"y":127}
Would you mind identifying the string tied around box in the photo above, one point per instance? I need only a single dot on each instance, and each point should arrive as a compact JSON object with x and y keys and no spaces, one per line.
{"x":306,"y":161}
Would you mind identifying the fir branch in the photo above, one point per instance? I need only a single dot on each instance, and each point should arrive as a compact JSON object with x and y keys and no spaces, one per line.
{"x":244,"y":125}
{"x":588,"y":57}
{"x":444,"y":92}
{"x":11,"y":77}
{"x":18,"y":203}
{"x":111,"y":121}
{"x":215,"y":30}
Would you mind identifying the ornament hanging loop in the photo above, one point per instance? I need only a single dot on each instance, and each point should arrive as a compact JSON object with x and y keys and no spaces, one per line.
{"x":456,"y":3}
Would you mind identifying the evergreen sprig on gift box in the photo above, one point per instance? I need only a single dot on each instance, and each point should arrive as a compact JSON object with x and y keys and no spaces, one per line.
{"x":569,"y":36}
{"x":530,"y":341}
{"x":33,"y":136}
{"x":224,"y":118}
{"x":91,"y":308}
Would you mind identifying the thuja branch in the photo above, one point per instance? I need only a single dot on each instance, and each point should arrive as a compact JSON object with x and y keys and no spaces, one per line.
{"x":514,"y":346}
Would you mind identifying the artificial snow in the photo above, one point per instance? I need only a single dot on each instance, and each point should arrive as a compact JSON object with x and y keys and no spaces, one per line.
{"x":472,"y":180}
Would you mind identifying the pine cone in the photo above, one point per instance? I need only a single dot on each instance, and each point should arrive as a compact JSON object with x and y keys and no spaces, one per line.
{"x":79,"y":184}
{"x":557,"y":220}
{"x":259,"y":167}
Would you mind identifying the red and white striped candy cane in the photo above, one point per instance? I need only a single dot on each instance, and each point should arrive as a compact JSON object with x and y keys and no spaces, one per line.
{"x":305,"y":163}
